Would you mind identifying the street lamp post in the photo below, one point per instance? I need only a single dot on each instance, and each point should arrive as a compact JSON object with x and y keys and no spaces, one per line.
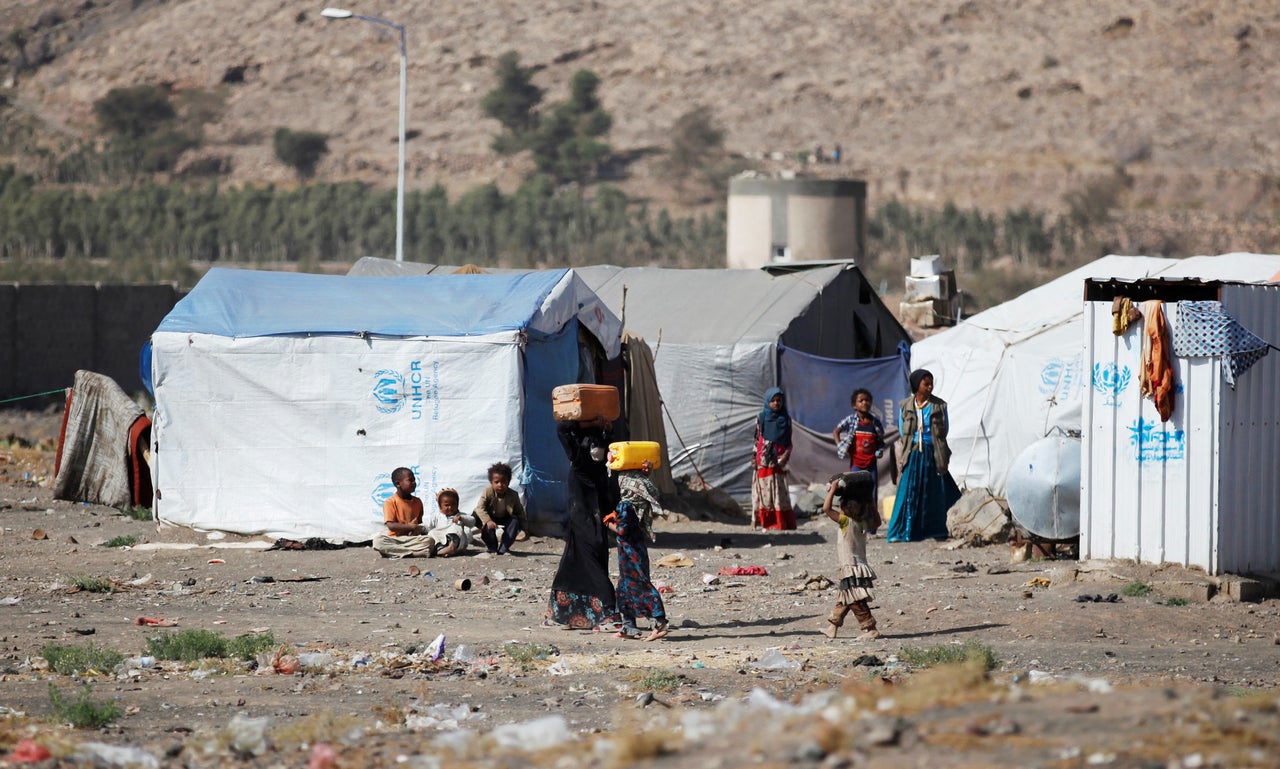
{"x":340,"y":13}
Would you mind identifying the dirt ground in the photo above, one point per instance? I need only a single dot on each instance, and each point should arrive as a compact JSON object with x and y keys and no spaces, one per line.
{"x":1166,"y":679}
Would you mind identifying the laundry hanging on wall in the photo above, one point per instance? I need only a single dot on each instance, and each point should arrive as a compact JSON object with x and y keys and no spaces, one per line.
{"x":1205,"y":330}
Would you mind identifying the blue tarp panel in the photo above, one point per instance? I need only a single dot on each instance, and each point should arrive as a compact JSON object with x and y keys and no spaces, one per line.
{"x":549,"y":362}
{"x":818,"y":391}
{"x":247,"y":303}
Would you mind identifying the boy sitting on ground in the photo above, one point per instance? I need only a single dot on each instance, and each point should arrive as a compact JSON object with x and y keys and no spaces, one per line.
{"x":499,"y":508}
{"x":402,"y":513}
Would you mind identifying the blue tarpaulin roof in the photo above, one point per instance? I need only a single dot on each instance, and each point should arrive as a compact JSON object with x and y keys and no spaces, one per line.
{"x":248,"y":303}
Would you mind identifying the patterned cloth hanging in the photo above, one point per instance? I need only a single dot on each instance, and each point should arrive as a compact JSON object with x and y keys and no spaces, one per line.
{"x":1205,"y":330}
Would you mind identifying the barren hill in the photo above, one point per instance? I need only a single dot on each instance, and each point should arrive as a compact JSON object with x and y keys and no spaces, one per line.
{"x":984,"y":103}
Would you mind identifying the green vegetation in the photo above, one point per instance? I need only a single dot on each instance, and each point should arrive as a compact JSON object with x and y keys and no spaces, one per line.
{"x":300,"y":150}
{"x":93,"y":584}
{"x":196,"y":644}
{"x":661,"y":681}
{"x":1175,"y":601}
{"x":526,"y":653}
{"x":138,"y":513}
{"x":1135,"y":589}
{"x":76,"y":660}
{"x":124,"y":540}
{"x":697,"y":161}
{"x":513,"y":103}
{"x":948,"y":654}
{"x":82,"y":712}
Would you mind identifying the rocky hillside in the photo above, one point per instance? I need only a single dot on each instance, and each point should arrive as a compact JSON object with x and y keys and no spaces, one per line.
{"x":982,"y":102}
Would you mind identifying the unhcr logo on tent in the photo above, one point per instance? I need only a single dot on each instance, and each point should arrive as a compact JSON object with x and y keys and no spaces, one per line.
{"x":392,"y":390}
{"x":1111,"y":379}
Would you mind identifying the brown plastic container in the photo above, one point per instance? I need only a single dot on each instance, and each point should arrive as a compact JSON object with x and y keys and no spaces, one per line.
{"x":584,"y":402}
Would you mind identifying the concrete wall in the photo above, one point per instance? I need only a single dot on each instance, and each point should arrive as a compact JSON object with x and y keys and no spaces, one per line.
{"x":48,"y":332}
{"x":808,"y":219}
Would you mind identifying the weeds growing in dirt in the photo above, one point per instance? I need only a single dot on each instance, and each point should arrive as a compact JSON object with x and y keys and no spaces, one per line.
{"x":124,"y":540}
{"x":947,"y":654}
{"x":661,"y":681}
{"x":196,"y":644}
{"x":138,"y":513}
{"x":1135,"y":589}
{"x":80,"y":711}
{"x":1176,"y":601}
{"x":75,"y":660}
{"x":526,"y":653}
{"x":93,"y":584}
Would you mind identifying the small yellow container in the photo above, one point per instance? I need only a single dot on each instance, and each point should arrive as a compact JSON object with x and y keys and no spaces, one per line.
{"x":630,"y":455}
{"x":886,"y":507}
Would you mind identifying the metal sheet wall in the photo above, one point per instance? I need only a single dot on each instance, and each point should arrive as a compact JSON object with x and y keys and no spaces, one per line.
{"x":1148,"y":488}
{"x":1200,"y":490}
{"x":1249,"y":497}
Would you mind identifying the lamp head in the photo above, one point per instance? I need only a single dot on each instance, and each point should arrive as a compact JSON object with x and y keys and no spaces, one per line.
{"x":336,"y":13}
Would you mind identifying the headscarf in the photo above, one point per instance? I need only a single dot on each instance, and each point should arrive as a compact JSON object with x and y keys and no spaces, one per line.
{"x":917,"y":377}
{"x":775,"y":426}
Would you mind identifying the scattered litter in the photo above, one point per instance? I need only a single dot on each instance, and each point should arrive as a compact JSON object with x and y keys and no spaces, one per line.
{"x":817,"y":582}
{"x":436,"y":650}
{"x":155,"y":622}
{"x":315,"y":660}
{"x":29,"y":751}
{"x":101,"y":754}
{"x":499,"y":576}
{"x":413,"y":572}
{"x":442,"y":716}
{"x":10,"y":600}
{"x":965,"y":568}
{"x":710,"y":579}
{"x":783,"y":557}
{"x":538,"y":734}
{"x":323,"y":756}
{"x":674,"y":559}
{"x":260,"y":580}
{"x":559,"y":668}
{"x":39,"y":534}
{"x":867,"y":660}
{"x":772,"y":659}
{"x":664,"y":588}
{"x":647,"y":698}
{"x":802,"y":574}
{"x":743,"y":571}
{"x":248,"y":735}
{"x":1112,"y":598}
{"x":215,"y":560}
{"x":1038,"y":582}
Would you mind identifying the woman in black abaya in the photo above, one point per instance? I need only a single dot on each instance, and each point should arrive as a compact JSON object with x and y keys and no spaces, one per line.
{"x":582,"y":594}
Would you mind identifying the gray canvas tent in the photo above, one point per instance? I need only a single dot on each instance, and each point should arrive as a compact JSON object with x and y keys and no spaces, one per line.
{"x":721,"y":338}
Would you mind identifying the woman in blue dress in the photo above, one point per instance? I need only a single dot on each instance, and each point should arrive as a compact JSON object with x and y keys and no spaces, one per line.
{"x":925,"y":489}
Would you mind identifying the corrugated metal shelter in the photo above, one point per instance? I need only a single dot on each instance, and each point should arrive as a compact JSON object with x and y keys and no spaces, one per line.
{"x":1013,"y":373}
{"x":1199,"y":489}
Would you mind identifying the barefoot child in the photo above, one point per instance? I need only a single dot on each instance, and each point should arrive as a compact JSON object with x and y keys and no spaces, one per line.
{"x":636,"y":594}
{"x":402,"y":513}
{"x":856,"y":576}
{"x":499,"y":512}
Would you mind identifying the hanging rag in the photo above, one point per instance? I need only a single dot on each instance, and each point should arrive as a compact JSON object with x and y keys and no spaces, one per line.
{"x":1155,"y":379}
{"x":1123,"y":313}
{"x":1205,"y":330}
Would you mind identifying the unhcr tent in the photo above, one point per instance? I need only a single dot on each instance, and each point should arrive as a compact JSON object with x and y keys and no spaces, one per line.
{"x":284,"y":401}
{"x":722,"y":338}
{"x":1013,"y":373}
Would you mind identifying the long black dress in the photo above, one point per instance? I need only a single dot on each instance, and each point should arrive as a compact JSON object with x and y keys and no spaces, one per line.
{"x":581,"y":594}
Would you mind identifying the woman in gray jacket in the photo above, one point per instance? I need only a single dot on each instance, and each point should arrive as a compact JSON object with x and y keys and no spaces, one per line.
{"x":925,"y":489}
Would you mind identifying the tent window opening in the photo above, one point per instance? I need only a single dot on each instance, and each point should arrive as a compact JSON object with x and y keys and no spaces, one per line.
{"x":781,"y":252}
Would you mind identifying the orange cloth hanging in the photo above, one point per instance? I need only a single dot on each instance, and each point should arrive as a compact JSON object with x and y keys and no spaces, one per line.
{"x":1155,"y":381}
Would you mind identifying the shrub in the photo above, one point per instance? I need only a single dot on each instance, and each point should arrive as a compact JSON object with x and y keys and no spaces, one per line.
{"x":300,"y":150}
{"x":661,"y":681}
{"x":93,"y":584}
{"x":134,"y":111}
{"x":1176,"y":601}
{"x":124,"y":540}
{"x":1135,"y":589}
{"x":82,"y":712}
{"x":75,"y":660}
{"x":948,"y":654}
{"x":526,"y":653}
{"x":138,"y":513}
{"x":197,"y":644}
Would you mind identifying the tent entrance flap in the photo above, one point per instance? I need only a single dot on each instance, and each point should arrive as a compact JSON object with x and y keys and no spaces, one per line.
{"x":549,"y":361}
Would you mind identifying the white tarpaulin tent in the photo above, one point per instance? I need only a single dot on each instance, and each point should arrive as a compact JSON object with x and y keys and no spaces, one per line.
{"x":1013,"y":373}
{"x":283,"y":400}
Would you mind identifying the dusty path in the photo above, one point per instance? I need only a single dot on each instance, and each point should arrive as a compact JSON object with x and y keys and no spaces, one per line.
{"x":1122,"y":670}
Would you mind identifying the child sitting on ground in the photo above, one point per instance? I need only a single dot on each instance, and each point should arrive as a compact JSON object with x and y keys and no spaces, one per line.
{"x":636,"y":595}
{"x":856,"y":515}
{"x":447,"y":526}
{"x":402,"y":512}
{"x":500,"y":508}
